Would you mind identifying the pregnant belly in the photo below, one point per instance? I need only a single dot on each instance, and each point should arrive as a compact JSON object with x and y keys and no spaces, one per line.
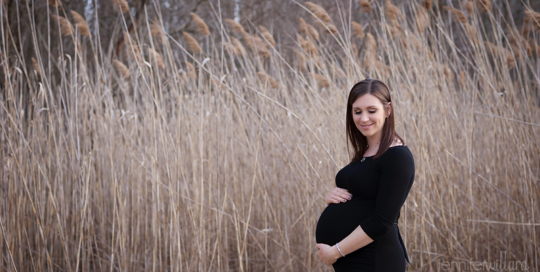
{"x":337,"y":221}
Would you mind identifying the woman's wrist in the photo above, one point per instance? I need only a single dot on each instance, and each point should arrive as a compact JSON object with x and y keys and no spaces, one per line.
{"x":337,"y":251}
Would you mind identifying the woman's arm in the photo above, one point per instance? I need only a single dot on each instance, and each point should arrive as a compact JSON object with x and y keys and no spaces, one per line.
{"x":397,"y":176}
{"x":354,"y":241}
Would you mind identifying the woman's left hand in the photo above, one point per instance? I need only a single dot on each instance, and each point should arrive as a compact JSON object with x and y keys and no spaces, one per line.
{"x":328,"y":254}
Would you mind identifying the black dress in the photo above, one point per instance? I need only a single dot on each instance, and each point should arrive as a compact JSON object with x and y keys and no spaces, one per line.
{"x":379,"y":188}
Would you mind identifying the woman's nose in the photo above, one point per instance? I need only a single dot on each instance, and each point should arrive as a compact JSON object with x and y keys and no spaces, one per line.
{"x":364,"y":117}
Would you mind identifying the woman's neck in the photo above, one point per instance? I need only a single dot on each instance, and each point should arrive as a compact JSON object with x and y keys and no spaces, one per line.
{"x":374,"y":140}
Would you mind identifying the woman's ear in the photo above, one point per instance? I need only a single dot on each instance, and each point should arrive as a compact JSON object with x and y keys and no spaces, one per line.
{"x":388,"y":108}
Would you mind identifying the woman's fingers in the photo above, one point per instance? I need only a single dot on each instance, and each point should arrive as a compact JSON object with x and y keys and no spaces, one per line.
{"x":343,"y":193}
{"x":338,"y":195}
{"x":343,"y":196}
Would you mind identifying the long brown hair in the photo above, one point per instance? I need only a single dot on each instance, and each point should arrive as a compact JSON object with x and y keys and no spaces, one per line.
{"x":358,"y":141}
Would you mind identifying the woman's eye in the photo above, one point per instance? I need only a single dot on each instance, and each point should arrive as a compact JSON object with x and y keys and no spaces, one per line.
{"x":357,"y":112}
{"x":371,"y":111}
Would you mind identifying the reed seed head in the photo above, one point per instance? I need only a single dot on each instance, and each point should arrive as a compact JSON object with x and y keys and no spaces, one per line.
{"x":457,"y":14}
{"x":229,"y":48}
{"x":331,"y":28}
{"x":392,"y":12}
{"x":499,"y":51}
{"x":472,"y":34}
{"x":484,"y":5}
{"x":66,"y":28}
{"x":78,"y":45}
{"x":236,"y":48}
{"x":120,"y":6}
{"x":469,"y":7}
{"x":200,"y":26}
{"x":240,"y":49}
{"x":191,"y":43}
{"x":257,"y":45}
{"x":55,"y":3}
{"x":302,"y":28}
{"x":427,"y":4}
{"x":422,"y":19}
{"x":301,"y":60}
{"x":313,"y":32}
{"x":81,"y":23}
{"x":319,"y":12}
{"x":394,"y":29}
{"x":156,"y":32}
{"x":236,"y":27}
{"x":121,"y":68}
{"x":310,"y":47}
{"x":383,"y":68}
{"x":357,"y":30}
{"x":325,"y":22}
{"x":369,"y":62}
{"x":371,"y":44}
{"x":517,"y":40}
{"x":133,"y":52}
{"x":266,"y":78}
{"x":301,"y":40}
{"x":414,"y":41}
{"x":535,"y":48}
{"x":321,"y":80}
{"x":447,"y":71}
{"x":191,"y":70}
{"x":327,"y":28}
{"x":267,"y":35}
{"x":533,"y":17}
{"x":157,"y":57}
{"x":132,"y":49}
{"x":36,"y":67}
{"x":364,"y":5}
{"x":338,"y":71}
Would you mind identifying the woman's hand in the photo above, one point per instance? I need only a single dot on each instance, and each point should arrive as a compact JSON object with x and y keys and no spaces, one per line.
{"x":338,"y":195}
{"x":328,"y":254}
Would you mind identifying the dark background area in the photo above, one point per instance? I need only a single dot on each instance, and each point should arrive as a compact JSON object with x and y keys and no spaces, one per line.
{"x":279,"y":16}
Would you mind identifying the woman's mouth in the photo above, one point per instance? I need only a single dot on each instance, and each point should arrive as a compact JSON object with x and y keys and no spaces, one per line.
{"x":366,"y":127}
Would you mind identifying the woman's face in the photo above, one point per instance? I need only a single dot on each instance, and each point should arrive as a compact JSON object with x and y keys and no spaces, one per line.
{"x":369,"y":115}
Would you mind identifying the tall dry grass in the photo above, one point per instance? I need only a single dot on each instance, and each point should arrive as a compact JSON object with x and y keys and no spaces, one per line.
{"x":199,"y":155}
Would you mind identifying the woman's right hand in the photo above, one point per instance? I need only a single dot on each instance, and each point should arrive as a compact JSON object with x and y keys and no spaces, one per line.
{"x":338,"y":195}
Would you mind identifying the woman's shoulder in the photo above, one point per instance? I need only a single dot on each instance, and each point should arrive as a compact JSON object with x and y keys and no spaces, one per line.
{"x":398,"y":153}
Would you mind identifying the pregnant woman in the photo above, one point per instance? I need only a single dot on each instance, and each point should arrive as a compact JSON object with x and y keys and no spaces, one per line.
{"x":358,"y":231}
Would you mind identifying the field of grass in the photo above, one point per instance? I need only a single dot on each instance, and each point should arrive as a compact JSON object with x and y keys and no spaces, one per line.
{"x":214,"y":152}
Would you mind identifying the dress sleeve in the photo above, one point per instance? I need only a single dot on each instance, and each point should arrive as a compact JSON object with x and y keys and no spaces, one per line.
{"x":397,"y":175}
